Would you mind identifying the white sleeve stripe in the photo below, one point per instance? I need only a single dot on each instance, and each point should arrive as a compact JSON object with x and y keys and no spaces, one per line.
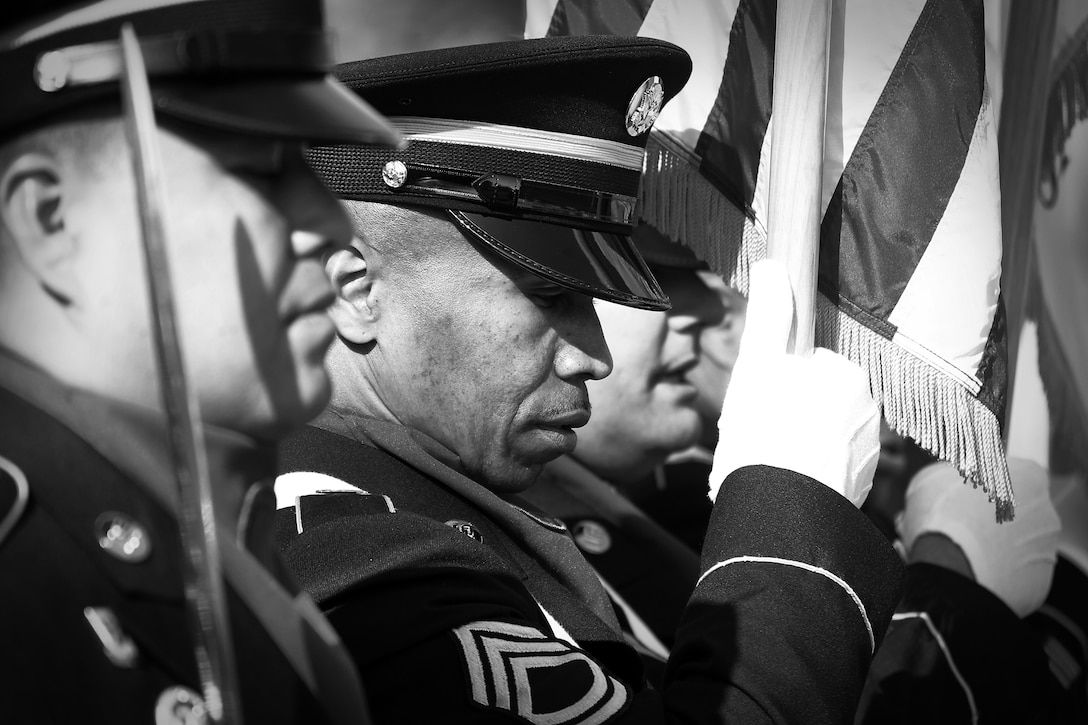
{"x":807,"y":567}
{"x":899,"y":616}
{"x":558,"y":630}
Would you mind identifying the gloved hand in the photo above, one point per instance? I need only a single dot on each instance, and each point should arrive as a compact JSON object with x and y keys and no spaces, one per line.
{"x":1014,"y":560}
{"x":813,"y":415}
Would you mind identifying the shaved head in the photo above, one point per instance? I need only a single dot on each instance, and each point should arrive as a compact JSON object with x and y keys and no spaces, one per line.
{"x":414,"y":239}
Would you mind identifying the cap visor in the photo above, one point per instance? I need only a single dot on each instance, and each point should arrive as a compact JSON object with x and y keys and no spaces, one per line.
{"x":599,"y":264}
{"x":309,"y":108}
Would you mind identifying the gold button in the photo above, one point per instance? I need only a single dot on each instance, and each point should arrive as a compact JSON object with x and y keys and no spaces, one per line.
{"x":180,"y":706}
{"x":123,"y":537}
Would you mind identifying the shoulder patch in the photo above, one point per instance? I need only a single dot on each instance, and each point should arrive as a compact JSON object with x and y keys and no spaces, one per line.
{"x":14,"y":493}
{"x":326,"y":498}
{"x":542,"y":680}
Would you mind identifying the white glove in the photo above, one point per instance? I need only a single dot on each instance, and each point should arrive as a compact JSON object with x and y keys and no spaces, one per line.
{"x":1014,"y":560}
{"x":813,"y":415}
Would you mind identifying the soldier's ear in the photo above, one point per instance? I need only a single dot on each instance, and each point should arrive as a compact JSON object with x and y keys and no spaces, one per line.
{"x":354,"y":312}
{"x":33,"y":207}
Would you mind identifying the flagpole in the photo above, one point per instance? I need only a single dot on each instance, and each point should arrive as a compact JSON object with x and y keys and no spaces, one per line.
{"x":799,"y":100}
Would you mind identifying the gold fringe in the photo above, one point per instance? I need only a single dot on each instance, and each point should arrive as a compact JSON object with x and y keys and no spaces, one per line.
{"x":918,"y":400}
{"x":924,"y":403}
{"x":677,"y":200}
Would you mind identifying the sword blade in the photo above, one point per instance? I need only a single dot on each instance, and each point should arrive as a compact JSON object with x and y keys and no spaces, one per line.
{"x":204,"y":588}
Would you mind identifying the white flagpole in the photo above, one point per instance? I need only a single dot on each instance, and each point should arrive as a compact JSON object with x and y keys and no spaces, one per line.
{"x":802,"y":36}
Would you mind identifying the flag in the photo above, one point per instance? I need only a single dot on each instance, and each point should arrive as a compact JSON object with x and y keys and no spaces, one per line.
{"x":1062,"y":256}
{"x":910,"y":244}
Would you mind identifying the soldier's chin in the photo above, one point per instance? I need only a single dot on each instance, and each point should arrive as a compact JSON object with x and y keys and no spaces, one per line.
{"x":677,"y":427}
{"x":512,"y":476}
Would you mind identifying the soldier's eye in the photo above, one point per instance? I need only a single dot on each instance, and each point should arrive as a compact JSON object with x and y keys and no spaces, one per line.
{"x":548,"y":295}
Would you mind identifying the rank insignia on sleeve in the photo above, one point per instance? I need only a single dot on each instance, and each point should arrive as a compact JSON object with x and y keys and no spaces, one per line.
{"x":542,"y":680}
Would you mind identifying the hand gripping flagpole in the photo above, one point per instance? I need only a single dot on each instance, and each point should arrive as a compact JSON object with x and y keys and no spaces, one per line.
{"x":203,"y":578}
{"x":794,"y":205}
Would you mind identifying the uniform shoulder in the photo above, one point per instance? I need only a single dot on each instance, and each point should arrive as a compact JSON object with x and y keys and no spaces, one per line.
{"x":337,"y":536}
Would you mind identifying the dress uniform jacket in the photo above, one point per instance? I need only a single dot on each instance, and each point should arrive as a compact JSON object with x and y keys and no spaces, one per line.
{"x":460,"y":606}
{"x":92,"y":604}
{"x":955,"y":653}
{"x":1061,"y":627}
{"x":649,"y":573}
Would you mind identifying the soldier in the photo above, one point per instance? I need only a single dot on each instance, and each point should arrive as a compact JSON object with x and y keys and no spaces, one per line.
{"x":94,"y":602}
{"x":467,"y":337}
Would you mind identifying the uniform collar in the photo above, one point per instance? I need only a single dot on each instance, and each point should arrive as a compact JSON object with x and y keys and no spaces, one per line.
{"x":133,"y":439}
{"x":545,"y":538}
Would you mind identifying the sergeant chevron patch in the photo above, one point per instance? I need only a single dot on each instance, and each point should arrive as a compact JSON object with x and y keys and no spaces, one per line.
{"x":543,"y":681}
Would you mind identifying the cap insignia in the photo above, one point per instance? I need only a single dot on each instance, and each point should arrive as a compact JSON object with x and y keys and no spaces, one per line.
{"x":644,"y":106}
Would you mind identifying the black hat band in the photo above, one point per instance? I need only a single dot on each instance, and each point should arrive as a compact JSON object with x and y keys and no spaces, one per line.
{"x":186,"y":53}
{"x":506,"y":194}
{"x":491,"y":168}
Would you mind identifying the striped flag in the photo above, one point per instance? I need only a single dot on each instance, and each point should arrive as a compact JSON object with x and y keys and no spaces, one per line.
{"x":910,"y":247}
{"x":1058,"y":291}
{"x":1063,"y":255}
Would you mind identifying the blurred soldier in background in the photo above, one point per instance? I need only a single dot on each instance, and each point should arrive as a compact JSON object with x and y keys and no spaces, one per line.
{"x":957,"y":649}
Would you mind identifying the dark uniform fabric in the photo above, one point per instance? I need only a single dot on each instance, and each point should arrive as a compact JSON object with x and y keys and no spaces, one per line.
{"x":652,"y":572}
{"x":955,"y":653}
{"x":459,"y":606}
{"x":1061,"y":627}
{"x":675,"y":496}
{"x":60,"y":582}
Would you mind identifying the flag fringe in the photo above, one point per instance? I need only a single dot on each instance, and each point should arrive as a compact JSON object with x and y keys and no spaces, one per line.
{"x":1066,"y":106}
{"x":677,"y":200}
{"x":917,"y":398}
{"x":922,"y":402}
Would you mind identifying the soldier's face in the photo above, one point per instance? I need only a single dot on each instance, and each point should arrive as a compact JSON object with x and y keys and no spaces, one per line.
{"x":247,"y":225}
{"x":489,"y":360}
{"x":646,"y":408}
